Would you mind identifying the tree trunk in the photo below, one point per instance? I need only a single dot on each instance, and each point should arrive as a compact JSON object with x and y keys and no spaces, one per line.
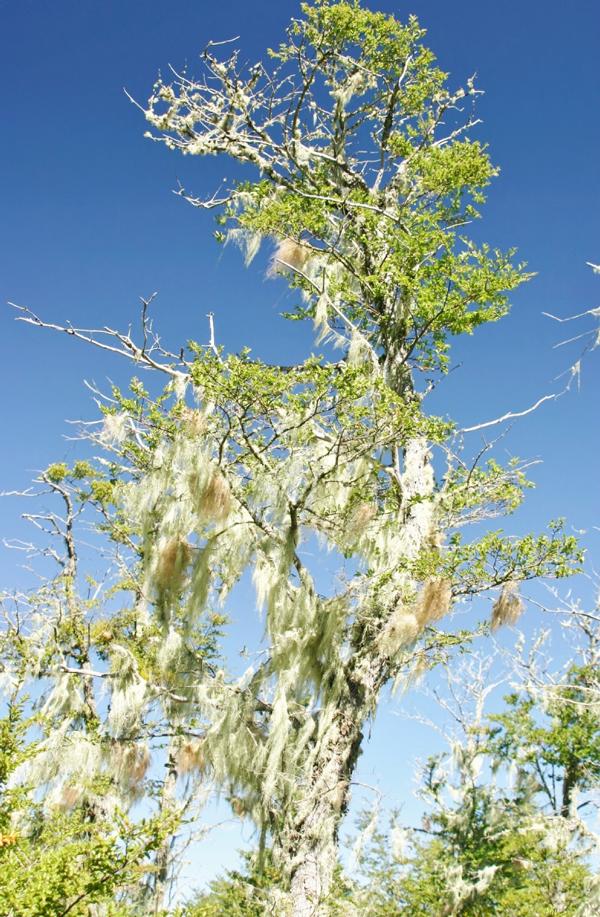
{"x":164,"y":854}
{"x":310,"y":835}
{"x":569,"y":784}
{"x":307,"y":846}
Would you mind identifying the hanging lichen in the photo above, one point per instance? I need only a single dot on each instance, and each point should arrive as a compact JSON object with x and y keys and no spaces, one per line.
{"x":173,"y":558}
{"x":508,"y":607}
{"x":191,"y":757}
{"x":211,"y":494}
{"x":434,"y":602}
{"x":289,"y":254}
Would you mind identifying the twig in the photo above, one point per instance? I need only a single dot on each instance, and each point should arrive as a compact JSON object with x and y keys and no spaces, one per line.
{"x":511,"y":415}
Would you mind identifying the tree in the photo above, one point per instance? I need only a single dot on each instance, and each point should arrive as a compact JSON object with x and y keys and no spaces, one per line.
{"x":562,"y":751}
{"x":248,"y":893}
{"x":492,"y":845}
{"x":494,"y":838}
{"x":63,"y":858}
{"x":242,"y":894}
{"x":92,"y":740}
{"x":268,"y":458}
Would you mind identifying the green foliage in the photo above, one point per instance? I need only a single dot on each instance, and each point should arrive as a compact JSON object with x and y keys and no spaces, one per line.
{"x":500,"y":489}
{"x":57,"y":472}
{"x":558,"y":746}
{"x":61,"y":858}
{"x":68,"y":863}
{"x":14,"y":751}
{"x":377,"y":252}
{"x":496,"y":559}
{"x":239,"y":894}
{"x":528,"y":879}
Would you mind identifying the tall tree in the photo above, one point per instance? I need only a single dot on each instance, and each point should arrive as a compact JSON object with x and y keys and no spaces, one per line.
{"x":363,"y":173}
{"x":367,"y":175}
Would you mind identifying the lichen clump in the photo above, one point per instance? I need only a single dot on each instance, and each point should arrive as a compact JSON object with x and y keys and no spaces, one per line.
{"x":508,"y":607}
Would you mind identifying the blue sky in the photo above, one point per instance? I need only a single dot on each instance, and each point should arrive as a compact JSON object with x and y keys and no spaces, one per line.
{"x":89,"y":224}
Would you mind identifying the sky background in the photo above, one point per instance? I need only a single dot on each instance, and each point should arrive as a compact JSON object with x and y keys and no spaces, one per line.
{"x":90,"y":223}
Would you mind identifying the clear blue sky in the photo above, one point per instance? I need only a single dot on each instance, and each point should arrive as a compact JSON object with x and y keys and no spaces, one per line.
{"x":89,"y":223}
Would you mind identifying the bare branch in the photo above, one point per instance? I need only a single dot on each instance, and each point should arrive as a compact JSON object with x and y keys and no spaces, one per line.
{"x":128,"y":348}
{"x":511,"y":415}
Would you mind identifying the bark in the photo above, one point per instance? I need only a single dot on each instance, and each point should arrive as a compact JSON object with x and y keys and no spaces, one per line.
{"x":569,"y":784}
{"x":312,"y":840}
{"x":308,"y":842}
{"x":164,"y":854}
{"x":306,"y":846}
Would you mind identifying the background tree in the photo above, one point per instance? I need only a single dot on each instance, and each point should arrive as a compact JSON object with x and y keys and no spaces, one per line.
{"x":561,"y":751}
{"x":98,"y":734}
{"x":67,"y":857}
{"x":490,"y":841}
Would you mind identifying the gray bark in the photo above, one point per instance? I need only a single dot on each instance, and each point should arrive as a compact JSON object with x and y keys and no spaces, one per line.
{"x":308,"y":841}
{"x":164,"y":854}
{"x":311,"y":838}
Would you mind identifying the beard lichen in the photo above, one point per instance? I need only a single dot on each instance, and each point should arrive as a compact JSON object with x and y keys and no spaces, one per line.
{"x":508,"y":607}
